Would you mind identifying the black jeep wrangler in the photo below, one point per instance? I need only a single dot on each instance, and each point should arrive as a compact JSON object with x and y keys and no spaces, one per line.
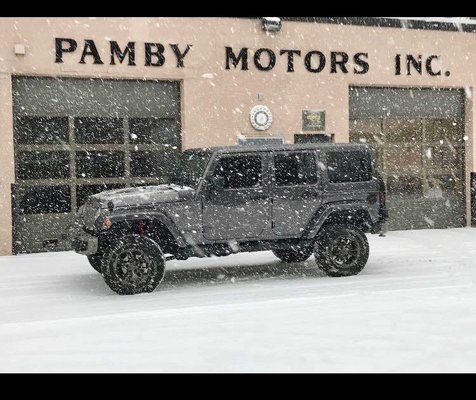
{"x":295,"y":200}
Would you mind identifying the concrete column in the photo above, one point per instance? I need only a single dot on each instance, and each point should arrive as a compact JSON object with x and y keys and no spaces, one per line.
{"x":7,"y":165}
{"x":470,"y":150}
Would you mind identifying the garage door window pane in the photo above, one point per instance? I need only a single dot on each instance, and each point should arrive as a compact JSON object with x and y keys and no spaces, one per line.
{"x":443,"y":131}
{"x":365,"y":131}
{"x":440,"y":159}
{"x":91,"y":130}
{"x":41,"y":130}
{"x":162,"y":131}
{"x":402,"y":160}
{"x":45,"y":200}
{"x":153,"y":163}
{"x":42,"y":165}
{"x":405,"y":186}
{"x":403,"y":130}
{"x":147,"y":164}
{"x":99,"y":164}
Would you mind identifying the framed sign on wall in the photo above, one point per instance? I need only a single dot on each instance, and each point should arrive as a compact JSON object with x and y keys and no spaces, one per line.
{"x":313,"y":120}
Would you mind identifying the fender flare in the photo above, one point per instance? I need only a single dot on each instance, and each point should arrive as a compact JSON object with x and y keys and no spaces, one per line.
{"x":321,"y":216}
{"x":161,"y":217}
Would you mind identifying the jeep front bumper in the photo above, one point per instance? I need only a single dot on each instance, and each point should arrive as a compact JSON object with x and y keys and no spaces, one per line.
{"x":84,"y":243}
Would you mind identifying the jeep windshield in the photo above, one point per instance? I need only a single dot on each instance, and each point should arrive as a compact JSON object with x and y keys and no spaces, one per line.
{"x":191,"y":166}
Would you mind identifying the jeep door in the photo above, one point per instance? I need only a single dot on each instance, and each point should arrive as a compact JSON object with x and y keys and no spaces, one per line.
{"x":239,"y":208}
{"x":296,"y":191}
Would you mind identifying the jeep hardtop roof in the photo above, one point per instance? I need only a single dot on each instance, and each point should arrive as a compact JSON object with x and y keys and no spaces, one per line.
{"x":269,"y":147}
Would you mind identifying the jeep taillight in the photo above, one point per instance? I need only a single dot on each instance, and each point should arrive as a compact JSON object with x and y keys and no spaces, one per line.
{"x":141,"y":228}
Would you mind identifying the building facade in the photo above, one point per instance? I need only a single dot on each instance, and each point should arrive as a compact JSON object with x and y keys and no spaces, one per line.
{"x":88,"y":104}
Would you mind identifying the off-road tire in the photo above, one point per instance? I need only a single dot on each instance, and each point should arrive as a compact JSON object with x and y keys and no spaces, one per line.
{"x":133,"y":264}
{"x":341,"y":250}
{"x":294,"y":254}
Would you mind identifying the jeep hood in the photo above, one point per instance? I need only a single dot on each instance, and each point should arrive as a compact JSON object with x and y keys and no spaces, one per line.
{"x":144,"y":195}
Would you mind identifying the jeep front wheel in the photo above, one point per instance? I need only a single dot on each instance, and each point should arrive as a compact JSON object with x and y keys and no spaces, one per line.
{"x":135,"y":264}
{"x":297,"y":254}
{"x":96,"y":260}
{"x":341,"y":250}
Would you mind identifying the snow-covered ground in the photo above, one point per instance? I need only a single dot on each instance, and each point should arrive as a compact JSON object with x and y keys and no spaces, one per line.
{"x":413,"y":308}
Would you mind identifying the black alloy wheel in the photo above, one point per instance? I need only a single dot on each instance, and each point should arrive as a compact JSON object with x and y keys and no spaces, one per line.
{"x":136,"y":264}
{"x":341,"y":250}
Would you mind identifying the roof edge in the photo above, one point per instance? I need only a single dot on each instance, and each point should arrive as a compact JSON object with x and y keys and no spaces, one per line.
{"x":443,"y":24}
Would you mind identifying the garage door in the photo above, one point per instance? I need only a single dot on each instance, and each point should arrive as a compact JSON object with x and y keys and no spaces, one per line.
{"x":419,"y":137}
{"x":76,"y":137}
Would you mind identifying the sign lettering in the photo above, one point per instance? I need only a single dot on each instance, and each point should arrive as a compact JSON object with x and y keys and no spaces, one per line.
{"x":245,"y":59}
{"x":154,"y":53}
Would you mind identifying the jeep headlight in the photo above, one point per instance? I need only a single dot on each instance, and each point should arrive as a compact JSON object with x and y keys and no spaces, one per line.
{"x":97,"y":219}
{"x":98,"y":214}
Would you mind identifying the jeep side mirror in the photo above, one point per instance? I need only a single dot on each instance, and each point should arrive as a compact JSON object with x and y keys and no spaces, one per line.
{"x":218,"y":182}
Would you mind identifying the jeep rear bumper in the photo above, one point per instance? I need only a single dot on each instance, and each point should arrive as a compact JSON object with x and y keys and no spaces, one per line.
{"x":84,"y":243}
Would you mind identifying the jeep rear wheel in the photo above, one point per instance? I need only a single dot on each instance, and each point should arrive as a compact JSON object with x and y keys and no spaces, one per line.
{"x":136,"y":264}
{"x":294,"y":254}
{"x":341,"y":250}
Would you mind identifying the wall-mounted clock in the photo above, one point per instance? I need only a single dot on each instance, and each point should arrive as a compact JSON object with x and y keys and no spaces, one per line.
{"x":261,"y":118}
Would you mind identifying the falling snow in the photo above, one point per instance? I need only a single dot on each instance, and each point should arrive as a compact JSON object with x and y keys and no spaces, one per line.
{"x":118,"y":129}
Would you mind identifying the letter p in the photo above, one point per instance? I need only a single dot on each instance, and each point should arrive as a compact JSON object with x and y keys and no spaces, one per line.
{"x":60,"y":49}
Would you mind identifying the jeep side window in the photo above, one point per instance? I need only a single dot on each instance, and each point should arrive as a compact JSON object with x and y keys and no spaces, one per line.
{"x":349,"y":166}
{"x":295,"y":169}
{"x":243,"y":171}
